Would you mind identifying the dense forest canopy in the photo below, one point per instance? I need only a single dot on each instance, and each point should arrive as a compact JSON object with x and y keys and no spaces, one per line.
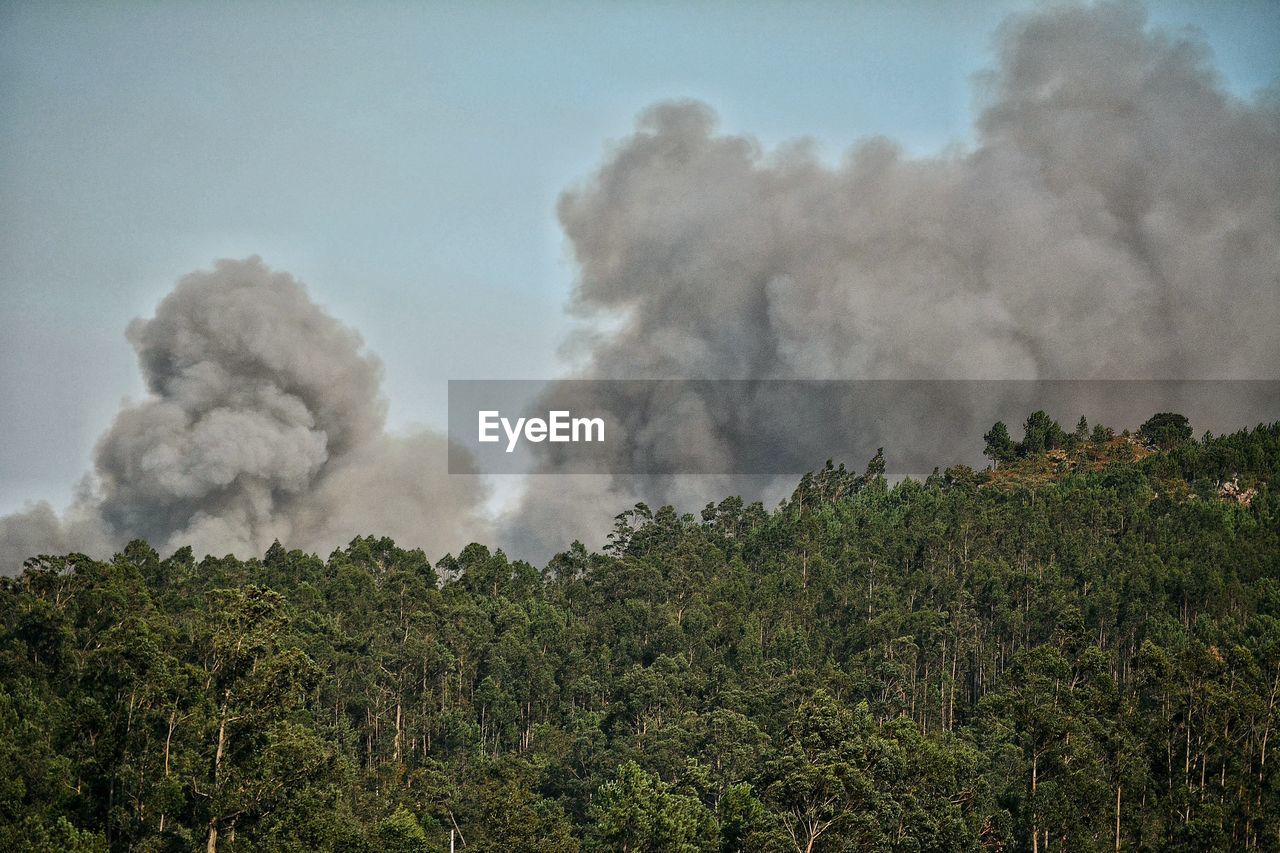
{"x":1076,"y":649}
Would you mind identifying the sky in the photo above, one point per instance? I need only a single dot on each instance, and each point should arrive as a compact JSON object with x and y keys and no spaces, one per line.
{"x":404,"y":161}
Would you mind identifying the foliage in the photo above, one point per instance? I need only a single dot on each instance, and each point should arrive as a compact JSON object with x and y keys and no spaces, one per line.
{"x":1077,"y":648}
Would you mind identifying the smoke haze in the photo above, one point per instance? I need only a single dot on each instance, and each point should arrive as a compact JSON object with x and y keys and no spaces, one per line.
{"x":1118,"y":216}
{"x":265,"y":422}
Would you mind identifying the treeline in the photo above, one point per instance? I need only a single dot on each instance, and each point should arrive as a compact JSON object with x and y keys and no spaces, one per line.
{"x":973,"y":662}
{"x":1041,"y":434}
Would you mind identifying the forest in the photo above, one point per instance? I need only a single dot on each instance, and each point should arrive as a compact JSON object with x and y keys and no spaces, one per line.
{"x":1077,"y":648}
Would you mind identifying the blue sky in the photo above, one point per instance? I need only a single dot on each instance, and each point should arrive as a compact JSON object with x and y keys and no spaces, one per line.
{"x":404,"y":160}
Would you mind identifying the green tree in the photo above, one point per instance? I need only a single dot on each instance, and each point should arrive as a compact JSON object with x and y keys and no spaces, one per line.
{"x":999,"y":445}
{"x":823,"y":780}
{"x":1040,"y":433}
{"x":1165,"y":430}
{"x":638,"y":813}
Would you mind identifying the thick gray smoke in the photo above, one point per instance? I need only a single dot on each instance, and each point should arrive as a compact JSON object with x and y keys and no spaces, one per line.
{"x":1118,"y":216}
{"x":265,"y":422}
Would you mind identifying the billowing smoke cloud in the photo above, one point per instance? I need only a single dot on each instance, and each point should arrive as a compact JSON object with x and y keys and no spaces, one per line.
{"x":265,"y":422}
{"x":1117,"y":216}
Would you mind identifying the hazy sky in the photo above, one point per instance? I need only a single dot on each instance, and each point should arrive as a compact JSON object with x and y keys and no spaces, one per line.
{"x":404,"y":161}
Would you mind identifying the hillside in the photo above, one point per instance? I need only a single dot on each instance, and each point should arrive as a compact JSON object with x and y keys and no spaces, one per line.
{"x":1076,"y":649}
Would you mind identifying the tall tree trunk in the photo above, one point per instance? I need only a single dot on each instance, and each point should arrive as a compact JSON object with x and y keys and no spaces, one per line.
{"x":168,"y":739}
{"x":1117,"y":817}
{"x":398,"y":732}
{"x":212,"y":845}
{"x":1035,"y":830}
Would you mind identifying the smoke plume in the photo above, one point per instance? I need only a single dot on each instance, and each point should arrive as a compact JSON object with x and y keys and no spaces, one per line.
{"x":265,"y":421}
{"x":1118,"y":216}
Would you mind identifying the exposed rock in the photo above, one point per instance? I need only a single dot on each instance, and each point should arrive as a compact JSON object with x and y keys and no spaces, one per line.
{"x":1231,"y":491}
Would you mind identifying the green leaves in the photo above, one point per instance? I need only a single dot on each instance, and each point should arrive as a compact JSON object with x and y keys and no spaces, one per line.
{"x":637,"y":812}
{"x":1165,"y":430}
{"x":1045,"y":654}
